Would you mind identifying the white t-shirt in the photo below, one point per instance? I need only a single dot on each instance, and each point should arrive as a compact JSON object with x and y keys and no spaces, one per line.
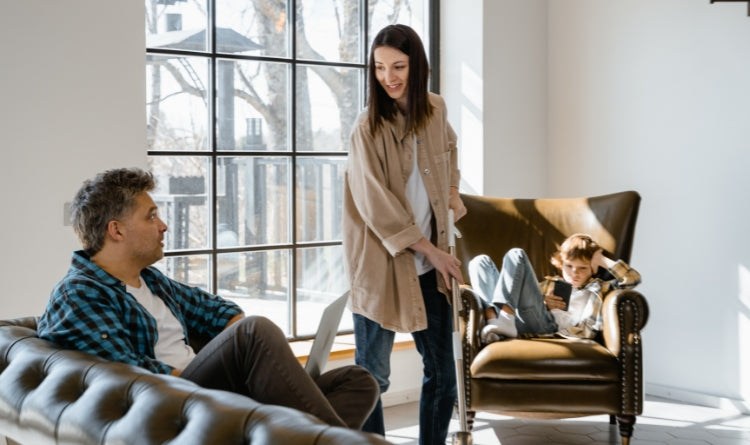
{"x":416,"y":193}
{"x":580,"y":299}
{"x":171,"y":347}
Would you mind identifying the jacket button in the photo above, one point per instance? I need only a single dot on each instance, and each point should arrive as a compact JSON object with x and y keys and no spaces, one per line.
{"x":419,"y":140}
{"x":427,"y":171}
{"x":105,"y":336}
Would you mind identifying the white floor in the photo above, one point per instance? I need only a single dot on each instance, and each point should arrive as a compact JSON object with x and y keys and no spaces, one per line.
{"x":663,"y":422}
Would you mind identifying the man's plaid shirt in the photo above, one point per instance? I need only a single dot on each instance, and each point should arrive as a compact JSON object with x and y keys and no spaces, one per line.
{"x":90,"y":311}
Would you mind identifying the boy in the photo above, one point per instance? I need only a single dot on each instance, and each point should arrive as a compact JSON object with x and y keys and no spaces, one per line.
{"x":516,"y":304}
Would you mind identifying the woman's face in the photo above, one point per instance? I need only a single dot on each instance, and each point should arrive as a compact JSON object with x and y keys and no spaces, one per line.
{"x":392,"y":72}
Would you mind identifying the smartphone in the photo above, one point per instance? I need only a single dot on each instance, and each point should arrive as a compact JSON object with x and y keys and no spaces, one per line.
{"x":563,"y":289}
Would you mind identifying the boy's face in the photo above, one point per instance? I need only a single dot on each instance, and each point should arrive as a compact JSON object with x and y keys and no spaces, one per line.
{"x":577,"y":271}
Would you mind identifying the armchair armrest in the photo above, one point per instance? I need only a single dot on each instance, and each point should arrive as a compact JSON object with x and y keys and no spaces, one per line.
{"x":472,"y":321}
{"x":624,"y":314}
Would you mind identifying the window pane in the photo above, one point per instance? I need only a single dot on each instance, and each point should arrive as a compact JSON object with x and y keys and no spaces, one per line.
{"x":319,"y":198}
{"x":253,"y":105}
{"x":191,"y":270}
{"x":414,"y":13}
{"x":256,"y":27}
{"x":329,"y":30}
{"x":258,"y":282}
{"x":182,"y":198}
{"x":176,"y":24}
{"x":176,"y":103}
{"x":329,"y":100}
{"x":253,"y":200}
{"x":320,"y":280}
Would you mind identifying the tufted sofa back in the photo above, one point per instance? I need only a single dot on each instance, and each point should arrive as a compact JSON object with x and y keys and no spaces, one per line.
{"x":53,"y":396}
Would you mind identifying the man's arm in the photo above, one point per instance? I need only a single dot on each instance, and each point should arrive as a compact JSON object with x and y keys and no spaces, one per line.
{"x":234,"y":319}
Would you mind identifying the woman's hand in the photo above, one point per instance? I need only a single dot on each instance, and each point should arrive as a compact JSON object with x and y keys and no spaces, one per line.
{"x":446,"y":264}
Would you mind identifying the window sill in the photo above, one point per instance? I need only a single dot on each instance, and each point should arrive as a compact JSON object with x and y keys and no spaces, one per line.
{"x":343,"y":347}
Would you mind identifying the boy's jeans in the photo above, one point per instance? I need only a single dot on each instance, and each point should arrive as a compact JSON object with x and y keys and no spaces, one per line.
{"x":517,"y":286}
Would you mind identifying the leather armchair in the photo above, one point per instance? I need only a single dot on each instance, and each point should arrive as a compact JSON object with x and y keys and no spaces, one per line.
{"x":554,"y":378}
{"x":51,"y":396}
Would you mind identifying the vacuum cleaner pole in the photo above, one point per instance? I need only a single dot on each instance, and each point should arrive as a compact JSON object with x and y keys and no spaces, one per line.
{"x":463,"y":436}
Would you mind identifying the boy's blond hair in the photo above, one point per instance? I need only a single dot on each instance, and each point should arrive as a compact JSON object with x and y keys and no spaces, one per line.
{"x":579,"y":246}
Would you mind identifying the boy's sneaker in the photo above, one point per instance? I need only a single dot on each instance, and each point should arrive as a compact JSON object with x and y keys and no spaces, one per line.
{"x":504,"y":326}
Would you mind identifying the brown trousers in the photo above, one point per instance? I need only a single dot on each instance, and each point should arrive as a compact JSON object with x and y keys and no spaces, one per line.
{"x":252,"y":357}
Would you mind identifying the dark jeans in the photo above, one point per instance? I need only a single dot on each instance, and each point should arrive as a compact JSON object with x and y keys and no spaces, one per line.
{"x":438,"y":397}
{"x":252,"y":357}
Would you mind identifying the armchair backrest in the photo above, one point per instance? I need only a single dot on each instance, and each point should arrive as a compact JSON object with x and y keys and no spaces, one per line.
{"x":494,"y":225}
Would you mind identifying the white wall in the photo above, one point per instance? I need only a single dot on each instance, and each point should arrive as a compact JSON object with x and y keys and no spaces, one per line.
{"x":72,"y":85}
{"x":651,"y":95}
{"x":494,"y":65}
{"x":658,"y":92}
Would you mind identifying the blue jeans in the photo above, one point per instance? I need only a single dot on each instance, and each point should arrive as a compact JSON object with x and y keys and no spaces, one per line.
{"x":438,"y":397}
{"x":516,"y":285}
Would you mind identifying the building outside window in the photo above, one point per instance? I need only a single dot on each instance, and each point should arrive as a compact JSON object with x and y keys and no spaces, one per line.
{"x":249,"y":106}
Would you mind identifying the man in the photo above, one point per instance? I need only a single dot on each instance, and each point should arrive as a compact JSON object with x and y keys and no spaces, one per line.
{"x":114,"y":304}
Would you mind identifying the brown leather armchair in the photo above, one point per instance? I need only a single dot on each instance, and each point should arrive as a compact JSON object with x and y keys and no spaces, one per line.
{"x":554,"y":378}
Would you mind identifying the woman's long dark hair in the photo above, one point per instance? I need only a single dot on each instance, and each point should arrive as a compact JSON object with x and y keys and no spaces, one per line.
{"x":380,"y":106}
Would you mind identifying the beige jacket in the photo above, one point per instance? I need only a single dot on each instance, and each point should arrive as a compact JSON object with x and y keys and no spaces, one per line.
{"x":378,"y":223}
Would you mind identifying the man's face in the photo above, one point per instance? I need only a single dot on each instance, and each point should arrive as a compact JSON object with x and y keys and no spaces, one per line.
{"x":143,"y":231}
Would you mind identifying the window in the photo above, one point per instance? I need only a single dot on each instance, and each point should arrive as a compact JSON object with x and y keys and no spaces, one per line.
{"x":249,"y":108}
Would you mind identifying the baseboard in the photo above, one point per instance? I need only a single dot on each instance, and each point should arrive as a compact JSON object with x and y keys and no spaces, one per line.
{"x":697,"y":398}
{"x":400,"y":397}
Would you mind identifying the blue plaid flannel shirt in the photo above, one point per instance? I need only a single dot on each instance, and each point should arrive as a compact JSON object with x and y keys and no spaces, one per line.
{"x":90,"y":311}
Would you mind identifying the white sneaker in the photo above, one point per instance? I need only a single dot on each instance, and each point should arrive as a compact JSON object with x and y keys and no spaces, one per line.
{"x":504,"y":326}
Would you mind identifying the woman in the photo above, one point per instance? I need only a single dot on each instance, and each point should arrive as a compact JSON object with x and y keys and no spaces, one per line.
{"x":402,"y":177}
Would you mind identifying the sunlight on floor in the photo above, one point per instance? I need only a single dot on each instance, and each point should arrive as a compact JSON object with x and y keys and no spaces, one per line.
{"x":663,"y":422}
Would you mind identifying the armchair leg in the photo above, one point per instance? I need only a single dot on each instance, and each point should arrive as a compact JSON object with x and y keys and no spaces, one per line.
{"x":612,"y":419}
{"x":626,"y":428}
{"x":470,"y":414}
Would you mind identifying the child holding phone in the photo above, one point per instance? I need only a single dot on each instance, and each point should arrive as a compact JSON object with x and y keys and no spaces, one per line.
{"x":516,"y":304}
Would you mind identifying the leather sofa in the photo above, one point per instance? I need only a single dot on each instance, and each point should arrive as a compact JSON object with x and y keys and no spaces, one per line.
{"x":53,"y":396}
{"x":554,"y":378}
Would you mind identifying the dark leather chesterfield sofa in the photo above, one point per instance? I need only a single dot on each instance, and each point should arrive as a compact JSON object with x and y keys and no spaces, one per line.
{"x":547,"y":378}
{"x":53,"y":396}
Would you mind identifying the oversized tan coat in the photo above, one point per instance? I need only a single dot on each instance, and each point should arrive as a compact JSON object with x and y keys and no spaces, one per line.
{"x":378,"y":223}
